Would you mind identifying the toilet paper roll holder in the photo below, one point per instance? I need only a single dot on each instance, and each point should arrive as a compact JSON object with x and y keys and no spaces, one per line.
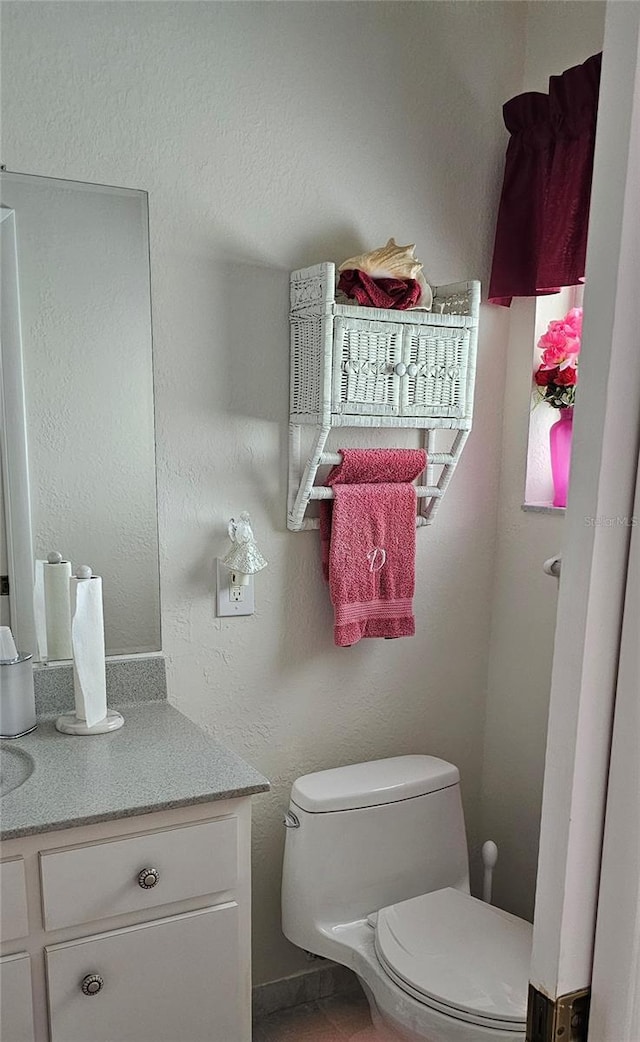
{"x":70,"y":723}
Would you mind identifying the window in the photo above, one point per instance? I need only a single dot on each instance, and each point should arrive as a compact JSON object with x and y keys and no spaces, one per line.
{"x":539,"y":484}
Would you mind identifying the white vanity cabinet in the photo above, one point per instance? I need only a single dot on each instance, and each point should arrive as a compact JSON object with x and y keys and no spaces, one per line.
{"x":138,"y":930}
{"x":16,"y":1008}
{"x":163,"y":981}
{"x":13,"y":899}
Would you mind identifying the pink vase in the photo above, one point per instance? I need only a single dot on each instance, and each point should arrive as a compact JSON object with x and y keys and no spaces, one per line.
{"x":560,"y":445}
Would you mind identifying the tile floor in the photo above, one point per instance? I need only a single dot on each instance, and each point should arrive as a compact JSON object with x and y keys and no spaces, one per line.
{"x":339,"y":1018}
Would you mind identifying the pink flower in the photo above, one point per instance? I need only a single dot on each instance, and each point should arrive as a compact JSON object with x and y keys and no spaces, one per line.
{"x":573,"y":319}
{"x":561,"y":355}
{"x":554,"y":337}
{"x":561,"y":343}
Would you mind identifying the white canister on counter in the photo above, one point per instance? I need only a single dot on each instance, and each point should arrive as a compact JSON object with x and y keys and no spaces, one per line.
{"x":17,"y":698}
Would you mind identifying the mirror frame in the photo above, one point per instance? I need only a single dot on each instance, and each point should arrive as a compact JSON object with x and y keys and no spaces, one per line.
{"x":15,"y":459}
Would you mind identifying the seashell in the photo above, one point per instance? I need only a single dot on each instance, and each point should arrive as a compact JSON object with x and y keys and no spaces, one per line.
{"x":387,"y":262}
{"x":426,"y":298}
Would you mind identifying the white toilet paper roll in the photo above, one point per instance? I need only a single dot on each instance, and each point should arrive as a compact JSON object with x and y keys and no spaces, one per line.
{"x":87,"y":638}
{"x":8,"y":649}
{"x":39,"y":610}
{"x":57,"y":609}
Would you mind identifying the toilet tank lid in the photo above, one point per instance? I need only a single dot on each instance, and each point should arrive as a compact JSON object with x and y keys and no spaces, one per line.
{"x":371,"y":784}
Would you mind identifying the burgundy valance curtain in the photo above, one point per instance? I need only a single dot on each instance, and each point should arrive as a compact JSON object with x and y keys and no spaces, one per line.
{"x":541,"y":232}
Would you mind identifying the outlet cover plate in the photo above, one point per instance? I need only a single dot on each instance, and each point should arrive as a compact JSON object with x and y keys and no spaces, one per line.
{"x":225,"y":607}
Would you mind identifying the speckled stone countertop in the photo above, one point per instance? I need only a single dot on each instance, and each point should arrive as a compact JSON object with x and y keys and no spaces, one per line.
{"x":158,"y":760}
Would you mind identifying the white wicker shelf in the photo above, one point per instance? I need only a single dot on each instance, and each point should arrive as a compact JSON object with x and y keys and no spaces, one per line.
{"x":366,"y":367}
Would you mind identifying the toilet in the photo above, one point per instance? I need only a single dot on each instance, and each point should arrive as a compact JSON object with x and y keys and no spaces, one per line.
{"x":376,"y":878}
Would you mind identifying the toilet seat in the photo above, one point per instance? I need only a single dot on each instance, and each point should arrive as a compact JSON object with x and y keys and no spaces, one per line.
{"x":460,"y":956}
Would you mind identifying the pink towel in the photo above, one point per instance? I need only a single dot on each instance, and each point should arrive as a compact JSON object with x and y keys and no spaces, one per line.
{"x":368,"y":542}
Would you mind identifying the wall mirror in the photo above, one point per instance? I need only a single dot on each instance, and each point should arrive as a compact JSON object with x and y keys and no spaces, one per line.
{"x":78,"y":446}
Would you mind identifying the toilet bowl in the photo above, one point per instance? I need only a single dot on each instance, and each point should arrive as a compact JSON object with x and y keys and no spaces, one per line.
{"x":376,"y":878}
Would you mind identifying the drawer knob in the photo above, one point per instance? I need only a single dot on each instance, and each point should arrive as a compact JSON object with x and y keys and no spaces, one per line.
{"x":148,"y":878}
{"x":400,"y":369}
{"x":412,"y":369}
{"x":92,"y":984}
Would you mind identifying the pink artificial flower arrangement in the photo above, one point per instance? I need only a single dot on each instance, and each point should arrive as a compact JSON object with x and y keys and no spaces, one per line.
{"x":557,"y":375}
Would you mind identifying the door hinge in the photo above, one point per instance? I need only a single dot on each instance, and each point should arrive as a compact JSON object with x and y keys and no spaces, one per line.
{"x":4,"y":585}
{"x":565,"y":1020}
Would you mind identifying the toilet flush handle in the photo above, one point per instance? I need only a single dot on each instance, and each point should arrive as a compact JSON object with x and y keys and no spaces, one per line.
{"x":489,"y":859}
{"x":291,"y":820}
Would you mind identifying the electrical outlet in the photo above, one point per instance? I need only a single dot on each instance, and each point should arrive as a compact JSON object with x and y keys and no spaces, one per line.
{"x":230,"y":599}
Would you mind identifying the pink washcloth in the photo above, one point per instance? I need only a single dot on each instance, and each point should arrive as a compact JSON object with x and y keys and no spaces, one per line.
{"x":368,"y":542}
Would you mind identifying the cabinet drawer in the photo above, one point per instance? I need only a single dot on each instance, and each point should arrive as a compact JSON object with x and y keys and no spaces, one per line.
{"x":13,"y":900}
{"x":16,"y":1005}
{"x":169,"y":980}
{"x":83,"y":884}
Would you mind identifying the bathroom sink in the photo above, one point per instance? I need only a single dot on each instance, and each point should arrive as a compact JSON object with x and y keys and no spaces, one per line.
{"x":15,"y":767}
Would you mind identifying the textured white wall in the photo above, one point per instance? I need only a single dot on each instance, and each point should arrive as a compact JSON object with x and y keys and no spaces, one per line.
{"x":559,"y":35}
{"x":271,"y":136}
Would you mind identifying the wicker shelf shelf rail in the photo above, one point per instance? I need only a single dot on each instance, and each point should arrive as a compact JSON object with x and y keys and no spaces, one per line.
{"x":366,"y":367}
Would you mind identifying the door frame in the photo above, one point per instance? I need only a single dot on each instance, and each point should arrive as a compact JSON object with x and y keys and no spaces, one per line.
{"x":615,"y":989}
{"x":597,"y":541}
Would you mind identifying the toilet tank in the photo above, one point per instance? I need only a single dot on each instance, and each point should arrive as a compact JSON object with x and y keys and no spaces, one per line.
{"x":370,"y":835}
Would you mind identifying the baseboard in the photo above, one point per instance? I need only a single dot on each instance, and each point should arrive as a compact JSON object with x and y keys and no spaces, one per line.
{"x":318,"y":983}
